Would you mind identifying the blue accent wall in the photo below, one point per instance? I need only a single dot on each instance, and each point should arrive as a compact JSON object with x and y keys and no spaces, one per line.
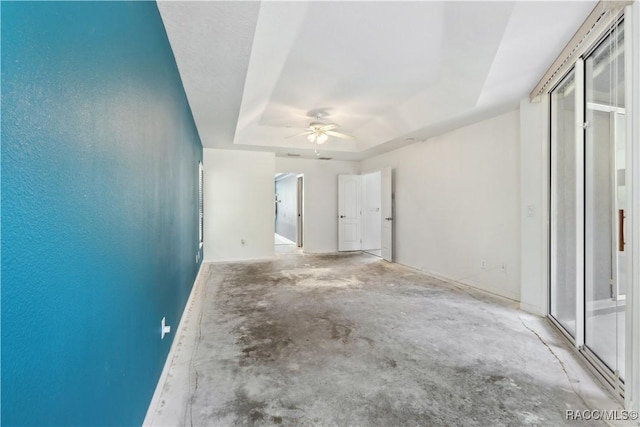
{"x":99,"y":210}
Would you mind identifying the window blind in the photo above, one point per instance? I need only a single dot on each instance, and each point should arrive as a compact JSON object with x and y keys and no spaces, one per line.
{"x":604,"y":15}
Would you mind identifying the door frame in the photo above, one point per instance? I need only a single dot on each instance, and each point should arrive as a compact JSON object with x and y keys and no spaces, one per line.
{"x":387,"y":202}
{"x":388,"y":213}
{"x":300,"y":211}
{"x":299,"y":206}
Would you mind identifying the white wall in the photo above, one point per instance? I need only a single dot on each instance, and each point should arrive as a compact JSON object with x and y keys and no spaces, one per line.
{"x":534,"y":207}
{"x":457,"y":204}
{"x":320,"y":198}
{"x":238,"y":205}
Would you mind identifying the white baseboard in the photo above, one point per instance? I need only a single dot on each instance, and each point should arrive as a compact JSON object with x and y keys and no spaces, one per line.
{"x":532,"y":309}
{"x":231,"y":260}
{"x":156,"y":400}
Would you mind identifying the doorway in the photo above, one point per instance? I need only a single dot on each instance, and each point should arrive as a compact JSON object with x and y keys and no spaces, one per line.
{"x":588,"y":206}
{"x":289,"y":215}
{"x":372,"y":213}
{"x":365,"y":206}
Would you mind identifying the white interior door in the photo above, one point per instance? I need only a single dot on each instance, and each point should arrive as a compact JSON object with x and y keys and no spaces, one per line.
{"x":387,"y":214}
{"x":349,"y":212}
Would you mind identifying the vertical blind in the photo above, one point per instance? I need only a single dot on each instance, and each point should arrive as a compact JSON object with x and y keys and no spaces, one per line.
{"x":603,"y":16}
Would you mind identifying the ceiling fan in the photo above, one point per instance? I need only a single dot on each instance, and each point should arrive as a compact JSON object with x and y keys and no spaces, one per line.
{"x":318,"y":132}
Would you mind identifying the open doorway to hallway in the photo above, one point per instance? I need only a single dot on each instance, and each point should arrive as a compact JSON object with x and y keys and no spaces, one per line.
{"x":289,"y":207}
{"x":372,"y":213}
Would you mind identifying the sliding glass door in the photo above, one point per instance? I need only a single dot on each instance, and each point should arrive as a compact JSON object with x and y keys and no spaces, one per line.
{"x":588,"y":209}
{"x":563,"y":204}
{"x":604,"y":202}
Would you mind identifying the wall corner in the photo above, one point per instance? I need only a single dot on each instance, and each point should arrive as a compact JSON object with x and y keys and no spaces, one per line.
{"x":534,"y":184}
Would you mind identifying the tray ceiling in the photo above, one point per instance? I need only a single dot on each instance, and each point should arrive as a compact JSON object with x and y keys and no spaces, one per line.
{"x":388,"y":73}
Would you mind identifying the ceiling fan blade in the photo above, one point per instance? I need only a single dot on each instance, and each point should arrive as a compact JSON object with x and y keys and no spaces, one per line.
{"x":307,"y":132}
{"x":328,"y":126}
{"x":339,"y":134}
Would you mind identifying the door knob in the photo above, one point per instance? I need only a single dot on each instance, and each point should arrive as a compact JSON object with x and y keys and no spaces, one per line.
{"x":388,"y":218}
{"x":342,"y":216}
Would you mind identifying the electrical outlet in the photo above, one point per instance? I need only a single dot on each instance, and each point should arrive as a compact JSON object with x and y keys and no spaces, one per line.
{"x":243,"y":242}
{"x":483,"y":264}
{"x":503,"y":267}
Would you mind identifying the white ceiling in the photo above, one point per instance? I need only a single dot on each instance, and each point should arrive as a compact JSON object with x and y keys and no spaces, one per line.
{"x":388,"y":73}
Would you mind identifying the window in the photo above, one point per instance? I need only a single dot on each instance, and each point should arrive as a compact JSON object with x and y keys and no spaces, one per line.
{"x":200,"y":204}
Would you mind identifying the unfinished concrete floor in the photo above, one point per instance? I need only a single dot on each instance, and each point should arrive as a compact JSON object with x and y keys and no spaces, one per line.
{"x":353,"y":340}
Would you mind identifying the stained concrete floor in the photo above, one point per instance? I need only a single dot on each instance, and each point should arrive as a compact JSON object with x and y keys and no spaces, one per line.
{"x":354,"y":340}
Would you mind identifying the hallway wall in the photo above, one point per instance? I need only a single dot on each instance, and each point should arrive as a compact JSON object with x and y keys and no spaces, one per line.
{"x":457,"y":204}
{"x":238,"y":205}
{"x":99,"y":210}
{"x":320,"y":198}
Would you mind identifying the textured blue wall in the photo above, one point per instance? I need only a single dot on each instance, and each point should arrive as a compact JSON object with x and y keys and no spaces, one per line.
{"x":99,"y":209}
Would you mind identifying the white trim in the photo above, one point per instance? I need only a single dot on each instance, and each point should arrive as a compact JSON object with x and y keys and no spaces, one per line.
{"x":200,"y":204}
{"x":605,"y":108}
{"x":553,"y":225}
{"x":580,"y":242}
{"x":545,"y":146}
{"x":632,"y":103}
{"x":156,"y":400}
{"x":529,"y":308}
{"x":509,"y":297}
{"x":232,"y":260}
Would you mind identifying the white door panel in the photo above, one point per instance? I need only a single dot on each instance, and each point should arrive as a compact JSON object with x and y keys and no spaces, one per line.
{"x":349,"y":213}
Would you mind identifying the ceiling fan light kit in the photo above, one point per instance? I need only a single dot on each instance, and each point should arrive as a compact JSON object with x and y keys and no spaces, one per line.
{"x":318,"y":137}
{"x":318,"y":132}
